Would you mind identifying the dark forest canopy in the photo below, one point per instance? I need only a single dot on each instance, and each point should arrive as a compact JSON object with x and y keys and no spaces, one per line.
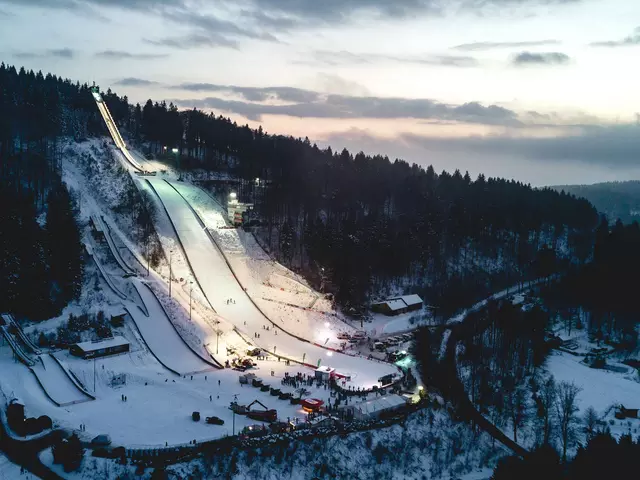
{"x":370,"y":222}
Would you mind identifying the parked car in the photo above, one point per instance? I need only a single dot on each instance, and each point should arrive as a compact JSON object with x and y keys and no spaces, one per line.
{"x":214,"y":421}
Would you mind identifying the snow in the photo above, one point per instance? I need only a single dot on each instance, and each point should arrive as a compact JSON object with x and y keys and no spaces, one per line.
{"x":108,"y":343}
{"x":161,"y":337}
{"x":10,"y":470}
{"x":282,"y":295}
{"x":219,"y":285}
{"x":370,"y":407}
{"x":56,"y":382}
{"x":600,"y":388}
{"x":395,"y":304}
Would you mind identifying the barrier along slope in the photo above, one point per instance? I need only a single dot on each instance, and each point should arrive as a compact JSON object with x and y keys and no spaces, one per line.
{"x":30,"y":346}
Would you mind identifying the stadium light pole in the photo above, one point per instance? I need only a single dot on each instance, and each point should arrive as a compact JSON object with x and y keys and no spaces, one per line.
{"x":176,"y":152}
{"x":170,"y":275}
{"x":190,"y":292}
{"x":235,"y":399}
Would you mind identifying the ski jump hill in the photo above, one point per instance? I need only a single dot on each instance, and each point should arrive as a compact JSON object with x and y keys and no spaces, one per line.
{"x":56,"y":381}
{"x":219,"y":283}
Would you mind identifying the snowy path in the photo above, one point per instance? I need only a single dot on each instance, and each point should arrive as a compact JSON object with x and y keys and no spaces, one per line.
{"x":57,"y":383}
{"x":160,"y":336}
{"x":219,"y":285}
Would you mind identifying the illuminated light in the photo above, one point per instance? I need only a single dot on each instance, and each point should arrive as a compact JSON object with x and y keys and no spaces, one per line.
{"x":174,"y":150}
{"x":420,"y":387}
{"x":329,"y":354}
{"x":233,"y":195}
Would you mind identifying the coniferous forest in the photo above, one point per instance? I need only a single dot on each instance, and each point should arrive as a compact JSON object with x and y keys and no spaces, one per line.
{"x":40,"y":249}
{"x":372,"y":225}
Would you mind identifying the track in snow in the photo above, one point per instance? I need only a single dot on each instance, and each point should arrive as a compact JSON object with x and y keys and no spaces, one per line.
{"x":56,"y":383}
{"x":161,"y":337}
{"x":219,"y":284}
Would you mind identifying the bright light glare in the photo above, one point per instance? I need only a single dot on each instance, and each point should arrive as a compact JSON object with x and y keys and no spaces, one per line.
{"x":329,"y":354}
{"x":233,"y":195}
{"x":174,"y":150}
{"x":420,"y":387}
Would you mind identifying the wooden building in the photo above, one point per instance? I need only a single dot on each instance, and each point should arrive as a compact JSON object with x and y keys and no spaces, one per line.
{"x":100,"y":348}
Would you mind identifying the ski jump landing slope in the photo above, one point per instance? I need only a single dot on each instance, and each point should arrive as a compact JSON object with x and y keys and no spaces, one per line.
{"x":162,"y":338}
{"x":56,"y":382}
{"x":219,"y":284}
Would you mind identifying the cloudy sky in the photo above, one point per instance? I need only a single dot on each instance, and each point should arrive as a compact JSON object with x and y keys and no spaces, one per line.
{"x":545,"y":91}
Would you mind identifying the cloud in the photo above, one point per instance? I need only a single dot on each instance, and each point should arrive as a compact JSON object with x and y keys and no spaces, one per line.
{"x":122,"y":55}
{"x":478,"y":46}
{"x":336,"y":84}
{"x":349,"y":58}
{"x":254,"y":94}
{"x":142,"y":5}
{"x":308,"y":104}
{"x":195,"y":40}
{"x":64,"y":53}
{"x":134,"y":82}
{"x":585,"y":155}
{"x":331,"y":12}
{"x":631,"y":40}
{"x":203,"y":29}
{"x":617,"y":145}
{"x":208,"y":30}
{"x":547,"y":58}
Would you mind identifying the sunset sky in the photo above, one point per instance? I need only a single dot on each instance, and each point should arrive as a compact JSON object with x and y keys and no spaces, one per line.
{"x":545,"y":91}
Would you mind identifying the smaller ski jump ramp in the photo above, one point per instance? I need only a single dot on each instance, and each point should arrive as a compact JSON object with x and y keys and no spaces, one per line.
{"x":161,"y":336}
{"x":57,"y":384}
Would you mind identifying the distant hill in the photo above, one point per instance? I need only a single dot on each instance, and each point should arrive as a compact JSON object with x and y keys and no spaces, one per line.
{"x":615,"y":199}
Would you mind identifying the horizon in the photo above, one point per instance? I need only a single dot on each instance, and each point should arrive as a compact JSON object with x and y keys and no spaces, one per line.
{"x":539,"y":91}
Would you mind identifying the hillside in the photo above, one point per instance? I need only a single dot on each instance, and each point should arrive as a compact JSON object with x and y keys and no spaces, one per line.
{"x":614,"y":199}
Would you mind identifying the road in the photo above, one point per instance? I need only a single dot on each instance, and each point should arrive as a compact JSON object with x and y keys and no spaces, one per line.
{"x":219,"y":285}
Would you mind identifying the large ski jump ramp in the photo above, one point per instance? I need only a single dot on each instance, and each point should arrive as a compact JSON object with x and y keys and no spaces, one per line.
{"x":219,"y":284}
{"x":161,"y":337}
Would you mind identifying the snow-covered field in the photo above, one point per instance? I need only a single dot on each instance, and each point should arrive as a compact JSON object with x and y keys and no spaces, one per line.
{"x":9,"y":471}
{"x":600,"y":388}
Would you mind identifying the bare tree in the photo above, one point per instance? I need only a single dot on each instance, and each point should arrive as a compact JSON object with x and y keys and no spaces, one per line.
{"x":548,"y":395}
{"x":516,"y":408}
{"x":566,"y":406}
{"x":591,"y":420}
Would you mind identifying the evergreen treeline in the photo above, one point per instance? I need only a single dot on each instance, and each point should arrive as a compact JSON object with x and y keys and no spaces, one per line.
{"x":370,"y":222}
{"x":40,"y":249}
{"x":359,"y":224}
{"x":614,"y":199}
{"x":602,"y":457}
{"x":604,"y":290}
